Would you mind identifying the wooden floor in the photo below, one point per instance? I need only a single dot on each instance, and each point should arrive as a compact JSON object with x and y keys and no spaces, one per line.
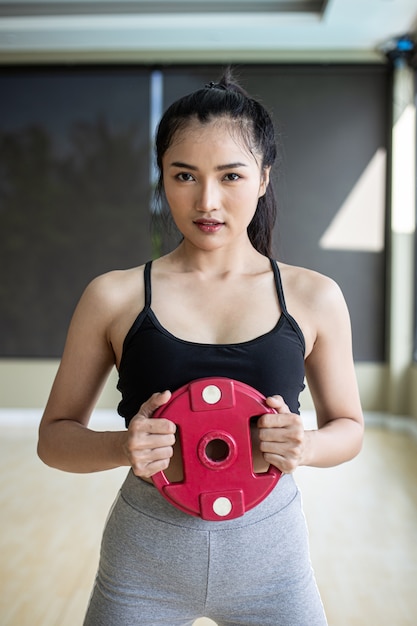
{"x":362,"y":518}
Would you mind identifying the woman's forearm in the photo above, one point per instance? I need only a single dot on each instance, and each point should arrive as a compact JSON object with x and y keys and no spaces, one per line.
{"x":69,"y":446}
{"x":336,"y":442}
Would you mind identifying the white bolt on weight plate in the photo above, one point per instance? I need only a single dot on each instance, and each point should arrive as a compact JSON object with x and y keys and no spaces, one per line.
{"x":222,"y":506}
{"x":211,"y":394}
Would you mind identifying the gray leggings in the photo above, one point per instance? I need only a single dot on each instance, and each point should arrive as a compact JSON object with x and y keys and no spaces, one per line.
{"x":162,"y":567}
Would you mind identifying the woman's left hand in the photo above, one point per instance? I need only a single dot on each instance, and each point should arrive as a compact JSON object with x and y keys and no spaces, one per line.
{"x":281,"y":436}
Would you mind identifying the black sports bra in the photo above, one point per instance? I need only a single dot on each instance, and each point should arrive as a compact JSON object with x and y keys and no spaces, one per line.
{"x":154,"y":360}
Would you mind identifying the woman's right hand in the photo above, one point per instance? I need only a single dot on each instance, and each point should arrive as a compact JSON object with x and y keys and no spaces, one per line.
{"x":149,"y":443}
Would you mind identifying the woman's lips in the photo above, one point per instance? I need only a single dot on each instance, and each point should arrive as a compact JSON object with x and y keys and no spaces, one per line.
{"x":208,"y":226}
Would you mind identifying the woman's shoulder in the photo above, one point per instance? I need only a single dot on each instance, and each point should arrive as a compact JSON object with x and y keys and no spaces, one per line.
{"x":315,"y":301}
{"x":308,"y":283}
{"x":116,"y":279}
{"x":115,"y":289}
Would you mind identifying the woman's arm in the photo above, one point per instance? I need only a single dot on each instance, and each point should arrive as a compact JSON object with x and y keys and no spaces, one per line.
{"x":332,"y":382}
{"x":331,"y":378}
{"x":65,"y":441}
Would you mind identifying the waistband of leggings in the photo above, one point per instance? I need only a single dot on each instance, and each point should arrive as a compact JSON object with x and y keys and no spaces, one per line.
{"x":146,"y":498}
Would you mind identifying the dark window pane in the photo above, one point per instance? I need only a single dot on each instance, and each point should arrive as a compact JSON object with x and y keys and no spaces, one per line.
{"x":74,"y":193}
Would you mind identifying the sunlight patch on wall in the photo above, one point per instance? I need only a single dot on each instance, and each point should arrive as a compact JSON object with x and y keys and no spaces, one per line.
{"x":360,"y":222}
{"x":403,"y":172}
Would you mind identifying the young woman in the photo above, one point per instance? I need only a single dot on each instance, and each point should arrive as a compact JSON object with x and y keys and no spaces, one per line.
{"x":214,"y":306}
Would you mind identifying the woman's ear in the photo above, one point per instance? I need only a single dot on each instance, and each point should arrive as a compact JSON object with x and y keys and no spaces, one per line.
{"x":264,"y":181}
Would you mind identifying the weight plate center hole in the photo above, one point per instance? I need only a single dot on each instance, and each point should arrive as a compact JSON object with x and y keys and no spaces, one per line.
{"x":217,"y":450}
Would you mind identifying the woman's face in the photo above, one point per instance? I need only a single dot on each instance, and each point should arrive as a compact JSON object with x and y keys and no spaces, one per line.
{"x":212,"y":183}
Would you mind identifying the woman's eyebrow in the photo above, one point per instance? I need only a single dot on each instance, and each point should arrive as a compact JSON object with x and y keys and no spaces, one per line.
{"x":220,"y":168}
{"x":230,"y":166}
{"x":182,"y":165}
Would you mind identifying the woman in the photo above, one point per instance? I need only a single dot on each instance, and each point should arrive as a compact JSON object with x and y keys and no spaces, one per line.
{"x":214,"y":306}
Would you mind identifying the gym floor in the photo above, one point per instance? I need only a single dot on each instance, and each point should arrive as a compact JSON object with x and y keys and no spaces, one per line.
{"x":362,"y":518}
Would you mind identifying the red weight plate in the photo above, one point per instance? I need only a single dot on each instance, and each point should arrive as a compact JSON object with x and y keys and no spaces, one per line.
{"x":216,"y":410}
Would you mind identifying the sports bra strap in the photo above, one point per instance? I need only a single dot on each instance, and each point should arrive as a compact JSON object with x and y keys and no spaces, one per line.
{"x":148,"y":288}
{"x":278,"y":283}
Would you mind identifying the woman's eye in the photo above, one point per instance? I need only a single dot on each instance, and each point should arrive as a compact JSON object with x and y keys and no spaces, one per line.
{"x":232,"y":176}
{"x":185,"y":177}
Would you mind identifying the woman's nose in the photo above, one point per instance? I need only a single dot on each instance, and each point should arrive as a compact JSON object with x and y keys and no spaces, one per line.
{"x":208,"y":198}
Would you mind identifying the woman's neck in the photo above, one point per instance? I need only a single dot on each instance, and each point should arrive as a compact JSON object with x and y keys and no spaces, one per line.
{"x":242,"y":258}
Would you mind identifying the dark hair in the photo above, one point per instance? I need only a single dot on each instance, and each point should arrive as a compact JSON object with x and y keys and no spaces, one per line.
{"x":229,"y":100}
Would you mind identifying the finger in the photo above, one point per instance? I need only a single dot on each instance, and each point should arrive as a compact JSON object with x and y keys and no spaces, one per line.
{"x":151,"y":455}
{"x":275,"y":434}
{"x":155,"y":401}
{"x":143,"y":426}
{"x":278,"y":403}
{"x":158,"y":461}
{"x":284,"y":464}
{"x":284,"y":455}
{"x":274,"y":420}
{"x":143,"y":421}
{"x":284,"y":429}
{"x":146,"y":434}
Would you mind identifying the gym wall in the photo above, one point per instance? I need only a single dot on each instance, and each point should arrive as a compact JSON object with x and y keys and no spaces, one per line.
{"x":76,"y":183}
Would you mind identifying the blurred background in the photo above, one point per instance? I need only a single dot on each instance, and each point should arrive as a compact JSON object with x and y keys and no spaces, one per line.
{"x":82,"y":87}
